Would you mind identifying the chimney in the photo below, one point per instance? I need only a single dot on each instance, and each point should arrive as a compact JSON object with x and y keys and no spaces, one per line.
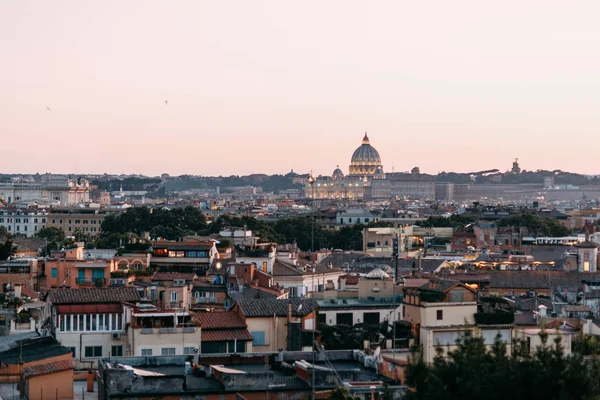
{"x":543,"y":311}
{"x":289,"y":311}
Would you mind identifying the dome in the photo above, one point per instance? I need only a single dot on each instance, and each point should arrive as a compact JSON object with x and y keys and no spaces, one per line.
{"x":337,"y":173}
{"x":365,"y":160}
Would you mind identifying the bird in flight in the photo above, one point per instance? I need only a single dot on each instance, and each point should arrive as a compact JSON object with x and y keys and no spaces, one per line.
{"x":166,"y":102}
{"x":48,"y":108}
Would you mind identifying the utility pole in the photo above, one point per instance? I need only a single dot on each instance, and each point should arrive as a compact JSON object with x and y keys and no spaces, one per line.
{"x":311,"y":180}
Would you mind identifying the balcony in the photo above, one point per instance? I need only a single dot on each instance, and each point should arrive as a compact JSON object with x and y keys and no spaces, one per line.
{"x":163,"y":331}
{"x":206,"y":300}
{"x":98,"y":282}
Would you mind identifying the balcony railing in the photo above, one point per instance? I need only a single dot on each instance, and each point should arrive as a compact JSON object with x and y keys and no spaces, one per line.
{"x":163,"y":331}
{"x":93,"y":281}
{"x":206,"y":300}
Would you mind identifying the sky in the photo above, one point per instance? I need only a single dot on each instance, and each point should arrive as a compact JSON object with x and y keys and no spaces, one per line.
{"x":267,"y":86}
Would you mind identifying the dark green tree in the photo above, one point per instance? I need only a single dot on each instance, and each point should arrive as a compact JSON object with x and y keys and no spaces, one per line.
{"x":475,"y":371}
{"x":341,"y":393}
{"x":6,"y":250}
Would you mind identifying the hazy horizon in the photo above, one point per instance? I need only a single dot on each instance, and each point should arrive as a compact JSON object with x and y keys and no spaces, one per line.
{"x":269,"y":86}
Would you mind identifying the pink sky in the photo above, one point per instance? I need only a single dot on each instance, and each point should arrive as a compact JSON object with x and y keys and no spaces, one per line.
{"x":265,"y":86}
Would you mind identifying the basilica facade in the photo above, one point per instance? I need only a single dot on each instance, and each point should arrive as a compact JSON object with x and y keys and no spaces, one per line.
{"x":365,"y":167}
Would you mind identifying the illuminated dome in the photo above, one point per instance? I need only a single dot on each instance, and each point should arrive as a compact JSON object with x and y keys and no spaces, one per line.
{"x":365,"y":160}
{"x":337,"y":173}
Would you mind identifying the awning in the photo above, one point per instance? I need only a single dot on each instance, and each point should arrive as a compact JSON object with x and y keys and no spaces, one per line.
{"x":224,"y":335}
{"x":91,"y":265}
{"x":90,"y":309}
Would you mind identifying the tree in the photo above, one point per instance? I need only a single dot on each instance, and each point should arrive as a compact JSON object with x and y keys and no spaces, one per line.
{"x":6,"y":250}
{"x":341,"y":393}
{"x":51,"y":234}
{"x":536,"y":225}
{"x":4,"y":233}
{"x":473,"y":371}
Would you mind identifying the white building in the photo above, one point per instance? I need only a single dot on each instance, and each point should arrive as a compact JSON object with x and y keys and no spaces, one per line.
{"x":299,"y":278}
{"x":26,"y":221}
{"x":74,"y":191}
{"x":90,"y":321}
{"x":354,"y":217}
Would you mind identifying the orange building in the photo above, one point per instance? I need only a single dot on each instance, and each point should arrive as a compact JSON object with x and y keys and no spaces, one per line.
{"x":34,"y":352}
{"x":48,"y":381}
{"x":69,"y":269}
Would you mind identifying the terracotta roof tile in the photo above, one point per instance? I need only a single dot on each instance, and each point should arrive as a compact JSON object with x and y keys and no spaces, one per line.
{"x":49,"y":368}
{"x":268,"y":307}
{"x":218,"y":320}
{"x":221,"y":335}
{"x":93,"y":295}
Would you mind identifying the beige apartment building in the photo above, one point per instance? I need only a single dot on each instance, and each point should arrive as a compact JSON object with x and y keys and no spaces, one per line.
{"x":442,"y":311}
{"x":85,"y":220}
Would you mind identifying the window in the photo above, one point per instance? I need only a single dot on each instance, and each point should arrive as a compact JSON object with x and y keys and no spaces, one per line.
{"x":43,"y":220}
{"x":116,"y":351}
{"x":73,"y":350}
{"x":35,"y":220}
{"x":489,"y":335}
{"x":167,"y":351}
{"x":54,"y":273}
{"x":258,"y":338}
{"x":93,"y":351}
{"x":146,"y":352}
{"x":446,"y":338}
{"x":343,"y":319}
{"x":189,"y":350}
{"x":173,"y":297}
{"x":371,"y":318}
{"x":457,"y":296}
{"x":440,"y":315}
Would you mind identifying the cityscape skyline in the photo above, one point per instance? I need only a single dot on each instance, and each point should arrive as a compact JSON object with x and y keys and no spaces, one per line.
{"x":194,"y":88}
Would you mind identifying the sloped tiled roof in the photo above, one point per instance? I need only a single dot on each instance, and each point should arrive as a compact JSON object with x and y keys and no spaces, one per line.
{"x":282,"y":268}
{"x":221,"y":335}
{"x":218,"y":320}
{"x":525,"y":318}
{"x":34,"y":349}
{"x":93,"y":295}
{"x":538,"y":279}
{"x":268,"y":307}
{"x":50,"y":368}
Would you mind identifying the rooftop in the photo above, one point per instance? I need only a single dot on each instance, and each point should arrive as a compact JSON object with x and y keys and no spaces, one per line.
{"x":269,"y":307}
{"x":50,"y":368}
{"x":30,"y":350}
{"x":93,"y":295}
